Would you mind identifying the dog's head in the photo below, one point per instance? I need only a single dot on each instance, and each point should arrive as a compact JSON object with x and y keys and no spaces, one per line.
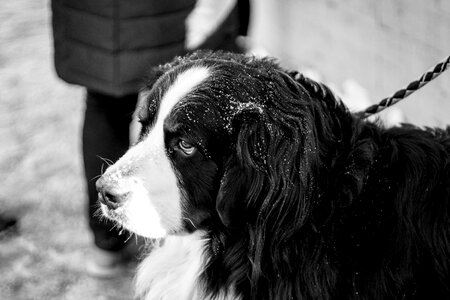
{"x":226,"y":141}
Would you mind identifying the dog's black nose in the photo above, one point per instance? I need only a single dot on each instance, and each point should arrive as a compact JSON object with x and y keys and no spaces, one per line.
{"x":108,"y":196}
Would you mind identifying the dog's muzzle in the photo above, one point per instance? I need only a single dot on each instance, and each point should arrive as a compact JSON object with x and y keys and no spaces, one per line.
{"x":109,"y":196}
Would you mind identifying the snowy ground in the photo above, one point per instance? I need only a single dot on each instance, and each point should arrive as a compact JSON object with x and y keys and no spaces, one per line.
{"x":40,"y":168}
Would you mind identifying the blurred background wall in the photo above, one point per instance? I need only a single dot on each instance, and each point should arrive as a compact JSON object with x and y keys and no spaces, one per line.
{"x":381,"y":44}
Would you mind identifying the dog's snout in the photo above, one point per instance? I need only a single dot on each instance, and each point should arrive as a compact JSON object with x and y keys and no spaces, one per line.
{"x":108,"y":196}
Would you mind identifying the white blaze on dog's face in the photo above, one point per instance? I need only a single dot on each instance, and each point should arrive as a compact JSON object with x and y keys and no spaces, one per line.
{"x":145,"y":177}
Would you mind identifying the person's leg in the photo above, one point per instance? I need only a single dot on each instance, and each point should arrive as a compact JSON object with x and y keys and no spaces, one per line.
{"x":105,"y":139}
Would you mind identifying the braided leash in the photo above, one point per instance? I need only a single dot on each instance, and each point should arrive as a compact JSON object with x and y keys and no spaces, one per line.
{"x":403,"y":93}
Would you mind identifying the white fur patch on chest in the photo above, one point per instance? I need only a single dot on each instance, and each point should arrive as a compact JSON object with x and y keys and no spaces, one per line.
{"x":172,"y":270}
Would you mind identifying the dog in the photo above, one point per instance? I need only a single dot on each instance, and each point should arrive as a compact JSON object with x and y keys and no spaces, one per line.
{"x":263,"y":185}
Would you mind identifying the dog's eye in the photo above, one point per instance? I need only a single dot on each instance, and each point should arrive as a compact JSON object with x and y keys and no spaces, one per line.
{"x":187,"y":148}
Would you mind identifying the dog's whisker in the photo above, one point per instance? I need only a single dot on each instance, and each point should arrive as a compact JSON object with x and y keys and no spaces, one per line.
{"x":129,"y":237}
{"x":136,"y":240}
{"x":190,"y":221}
{"x":116,"y":226}
{"x":98,"y":176}
{"x":108,"y":161}
{"x":98,"y":213}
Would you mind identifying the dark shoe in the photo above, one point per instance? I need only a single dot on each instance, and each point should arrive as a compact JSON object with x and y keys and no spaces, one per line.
{"x":8,"y":225}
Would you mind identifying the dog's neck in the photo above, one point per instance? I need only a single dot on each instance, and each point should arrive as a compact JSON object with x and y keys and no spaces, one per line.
{"x":172,"y":271}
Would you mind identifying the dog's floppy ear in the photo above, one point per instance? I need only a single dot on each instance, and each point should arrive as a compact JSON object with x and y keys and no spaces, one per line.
{"x":269,"y":176}
{"x":229,"y":202}
{"x":245,"y":169}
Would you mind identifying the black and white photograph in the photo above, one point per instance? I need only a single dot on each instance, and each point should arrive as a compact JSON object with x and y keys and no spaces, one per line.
{"x":225,"y":149}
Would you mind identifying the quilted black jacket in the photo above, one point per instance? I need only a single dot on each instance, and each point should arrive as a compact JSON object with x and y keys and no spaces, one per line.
{"x":107,"y":45}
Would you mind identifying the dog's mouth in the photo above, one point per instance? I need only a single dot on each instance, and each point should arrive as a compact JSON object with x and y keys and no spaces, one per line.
{"x":112,"y":213}
{"x":116,"y":215}
{"x":136,"y":214}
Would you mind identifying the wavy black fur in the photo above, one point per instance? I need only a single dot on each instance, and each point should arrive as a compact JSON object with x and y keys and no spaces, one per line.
{"x":301,"y":199}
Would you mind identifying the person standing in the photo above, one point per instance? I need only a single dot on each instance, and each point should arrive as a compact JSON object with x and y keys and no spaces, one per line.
{"x":107,"y":46}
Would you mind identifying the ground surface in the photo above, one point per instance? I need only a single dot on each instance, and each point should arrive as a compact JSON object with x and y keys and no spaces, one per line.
{"x":40,"y":168}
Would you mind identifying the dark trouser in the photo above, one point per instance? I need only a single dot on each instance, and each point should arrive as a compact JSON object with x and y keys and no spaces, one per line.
{"x":105,"y":136}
